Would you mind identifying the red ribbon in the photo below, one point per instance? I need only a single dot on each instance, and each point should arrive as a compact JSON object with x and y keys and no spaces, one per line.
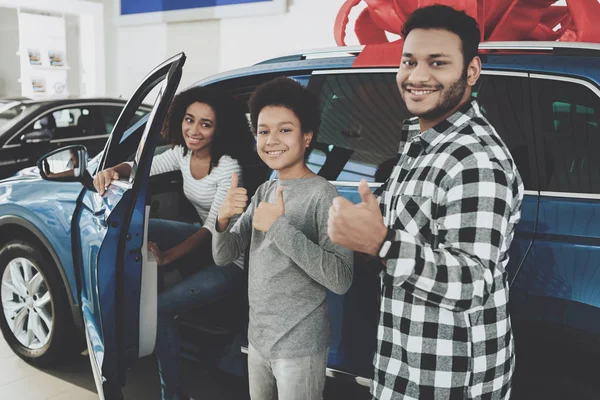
{"x":499,"y":20}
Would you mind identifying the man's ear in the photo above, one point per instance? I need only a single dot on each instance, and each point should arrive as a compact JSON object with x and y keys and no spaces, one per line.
{"x":473,"y":71}
{"x":308,"y":138}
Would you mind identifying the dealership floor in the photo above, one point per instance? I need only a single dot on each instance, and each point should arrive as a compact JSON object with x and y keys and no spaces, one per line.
{"x":74,"y":381}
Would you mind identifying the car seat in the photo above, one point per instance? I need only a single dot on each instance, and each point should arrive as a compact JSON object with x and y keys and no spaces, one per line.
{"x":86,"y":125}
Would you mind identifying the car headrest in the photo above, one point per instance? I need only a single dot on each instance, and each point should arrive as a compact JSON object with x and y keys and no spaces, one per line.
{"x":48,"y":122}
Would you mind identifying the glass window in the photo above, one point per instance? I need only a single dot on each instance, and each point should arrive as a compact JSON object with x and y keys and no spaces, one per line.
{"x":361,"y":122}
{"x":110,"y":115}
{"x":68,"y":123}
{"x":13,"y":112}
{"x":568,"y":136}
{"x":362,"y":116}
{"x":505,"y":102}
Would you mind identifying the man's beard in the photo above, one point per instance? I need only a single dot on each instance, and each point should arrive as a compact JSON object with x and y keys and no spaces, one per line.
{"x":448,"y":101}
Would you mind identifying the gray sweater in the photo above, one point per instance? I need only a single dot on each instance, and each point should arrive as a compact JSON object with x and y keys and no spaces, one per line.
{"x":291,"y":267}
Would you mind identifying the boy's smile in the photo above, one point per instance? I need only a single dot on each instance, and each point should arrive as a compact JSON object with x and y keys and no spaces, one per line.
{"x":274,"y":153}
{"x":281,"y":144}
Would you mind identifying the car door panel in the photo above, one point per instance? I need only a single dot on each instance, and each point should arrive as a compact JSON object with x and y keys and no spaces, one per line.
{"x":22,"y":155}
{"x":559,"y":283}
{"x":114,"y":263}
{"x":354,"y":315}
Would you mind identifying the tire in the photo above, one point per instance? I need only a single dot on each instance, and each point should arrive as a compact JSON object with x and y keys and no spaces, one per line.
{"x":42,"y":318}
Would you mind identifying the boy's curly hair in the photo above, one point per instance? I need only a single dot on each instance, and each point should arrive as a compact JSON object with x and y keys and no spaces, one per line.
{"x":232,"y":135}
{"x":286,"y":92}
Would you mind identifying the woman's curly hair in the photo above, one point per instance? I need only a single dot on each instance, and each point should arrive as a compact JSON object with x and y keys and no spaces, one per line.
{"x":232,"y":135}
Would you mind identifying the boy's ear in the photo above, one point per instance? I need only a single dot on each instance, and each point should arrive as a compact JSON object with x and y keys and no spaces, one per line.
{"x":307,"y":138}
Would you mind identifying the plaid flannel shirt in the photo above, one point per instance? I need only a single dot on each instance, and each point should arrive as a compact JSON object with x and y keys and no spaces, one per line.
{"x":453,"y":199}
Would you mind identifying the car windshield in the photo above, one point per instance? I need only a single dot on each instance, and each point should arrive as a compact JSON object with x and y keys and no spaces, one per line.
{"x":12,"y":113}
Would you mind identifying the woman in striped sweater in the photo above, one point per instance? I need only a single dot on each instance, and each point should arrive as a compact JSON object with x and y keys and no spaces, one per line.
{"x":210,"y":139}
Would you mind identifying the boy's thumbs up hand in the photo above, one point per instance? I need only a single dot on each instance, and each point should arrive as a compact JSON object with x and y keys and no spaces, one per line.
{"x":267,"y":213}
{"x":357,"y":227}
{"x":234,"y":203}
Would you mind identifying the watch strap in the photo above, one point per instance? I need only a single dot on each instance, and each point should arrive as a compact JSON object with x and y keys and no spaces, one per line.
{"x":387,"y":243}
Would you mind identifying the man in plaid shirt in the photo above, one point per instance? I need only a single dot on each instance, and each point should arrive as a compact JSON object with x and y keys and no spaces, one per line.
{"x":442,"y":227}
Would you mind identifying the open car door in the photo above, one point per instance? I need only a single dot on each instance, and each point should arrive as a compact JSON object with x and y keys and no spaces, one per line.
{"x":117,"y":276}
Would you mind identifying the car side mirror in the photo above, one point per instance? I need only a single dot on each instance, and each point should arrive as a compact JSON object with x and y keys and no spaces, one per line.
{"x":42,"y":136}
{"x":67,"y":164}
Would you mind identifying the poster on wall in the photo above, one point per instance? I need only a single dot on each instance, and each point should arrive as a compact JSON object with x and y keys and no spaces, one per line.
{"x":132,"y":12}
{"x":38,"y":84}
{"x":43,"y":52}
{"x":56,"y":58}
{"x":34,"y":57}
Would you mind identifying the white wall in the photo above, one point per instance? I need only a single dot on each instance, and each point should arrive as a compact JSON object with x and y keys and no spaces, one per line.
{"x":91,"y":37}
{"x":73,"y":55}
{"x":10,"y":68}
{"x":138,"y":50}
{"x":202,"y":44}
{"x":307,"y":25}
{"x":212,"y":46}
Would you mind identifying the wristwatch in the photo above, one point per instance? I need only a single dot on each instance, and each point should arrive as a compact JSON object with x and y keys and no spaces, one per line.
{"x":387,"y":243}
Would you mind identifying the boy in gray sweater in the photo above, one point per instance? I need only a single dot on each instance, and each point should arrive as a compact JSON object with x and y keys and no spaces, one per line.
{"x":292,"y":261}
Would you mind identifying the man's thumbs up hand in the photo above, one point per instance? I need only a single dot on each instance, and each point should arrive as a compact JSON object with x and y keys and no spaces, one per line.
{"x":357,"y":227}
{"x":266,"y":213}
{"x":368,"y":198}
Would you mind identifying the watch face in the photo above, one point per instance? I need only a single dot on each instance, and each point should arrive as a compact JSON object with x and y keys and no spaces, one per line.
{"x":385,"y":248}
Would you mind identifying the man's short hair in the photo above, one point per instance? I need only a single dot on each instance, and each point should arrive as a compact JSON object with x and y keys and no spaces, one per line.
{"x":286,"y":92}
{"x":447,"y":18}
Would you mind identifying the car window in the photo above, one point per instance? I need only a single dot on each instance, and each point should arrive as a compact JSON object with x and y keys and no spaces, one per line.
{"x":12,"y":113}
{"x":110,"y":115}
{"x":362,"y":116}
{"x":69,"y":123}
{"x":568,"y":135}
{"x":130,"y":143}
{"x":361,"y":121}
{"x":505,"y":103}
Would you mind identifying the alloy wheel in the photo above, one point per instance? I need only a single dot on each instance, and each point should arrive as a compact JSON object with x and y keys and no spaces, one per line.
{"x":27,"y":303}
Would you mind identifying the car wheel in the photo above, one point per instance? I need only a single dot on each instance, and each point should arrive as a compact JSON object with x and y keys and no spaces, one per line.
{"x":35,"y":321}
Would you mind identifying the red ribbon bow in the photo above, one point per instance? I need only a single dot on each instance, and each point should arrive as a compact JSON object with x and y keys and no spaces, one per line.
{"x":499,"y":20}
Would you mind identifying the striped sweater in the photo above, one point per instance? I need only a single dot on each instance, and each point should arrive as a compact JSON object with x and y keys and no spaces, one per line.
{"x":206,"y":194}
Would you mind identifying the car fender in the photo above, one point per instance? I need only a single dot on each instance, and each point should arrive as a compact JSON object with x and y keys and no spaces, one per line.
{"x":31,"y":224}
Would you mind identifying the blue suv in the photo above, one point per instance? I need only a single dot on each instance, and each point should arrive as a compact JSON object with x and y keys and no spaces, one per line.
{"x":72,"y":261}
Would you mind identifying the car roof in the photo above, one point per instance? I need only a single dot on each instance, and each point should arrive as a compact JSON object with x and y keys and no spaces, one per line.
{"x":517,"y":55}
{"x":73,"y":100}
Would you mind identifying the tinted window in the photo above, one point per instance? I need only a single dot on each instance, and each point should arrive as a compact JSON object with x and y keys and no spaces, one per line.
{"x":566,"y":117}
{"x":110,"y":115}
{"x":361,"y":122}
{"x":69,"y":123}
{"x":505,"y":102}
{"x":362,"y":116}
{"x":13,"y":112}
